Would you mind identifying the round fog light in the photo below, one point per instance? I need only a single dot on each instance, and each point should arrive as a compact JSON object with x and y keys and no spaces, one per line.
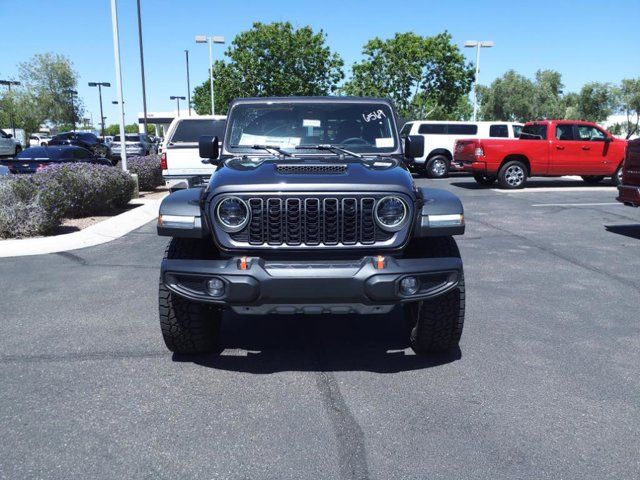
{"x":215,"y":287}
{"x":409,"y":285}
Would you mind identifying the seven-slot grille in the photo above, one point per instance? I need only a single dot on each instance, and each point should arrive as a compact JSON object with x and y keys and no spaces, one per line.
{"x":311,"y":221}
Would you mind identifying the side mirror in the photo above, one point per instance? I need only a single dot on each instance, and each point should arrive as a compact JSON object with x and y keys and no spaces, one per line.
{"x":208,"y":147}
{"x":414,"y":146}
{"x":10,"y":135}
{"x":608,"y":138}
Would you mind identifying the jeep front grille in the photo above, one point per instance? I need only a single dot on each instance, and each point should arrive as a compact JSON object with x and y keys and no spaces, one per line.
{"x":312,"y":221}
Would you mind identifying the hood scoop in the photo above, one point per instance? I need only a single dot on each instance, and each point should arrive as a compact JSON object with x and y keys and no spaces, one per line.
{"x":311,"y":168}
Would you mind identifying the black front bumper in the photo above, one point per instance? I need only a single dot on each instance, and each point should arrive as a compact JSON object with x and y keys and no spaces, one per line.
{"x":339,"y":282}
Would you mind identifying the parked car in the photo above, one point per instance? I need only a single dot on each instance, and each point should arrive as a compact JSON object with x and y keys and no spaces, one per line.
{"x":629,"y":189}
{"x":9,"y":146}
{"x":311,"y":210}
{"x":19,"y":135}
{"x":39,"y":140}
{"x":82,"y":139}
{"x":135,"y":144}
{"x":548,"y":148}
{"x":440,"y":138}
{"x":34,"y":159}
{"x":182,"y":166}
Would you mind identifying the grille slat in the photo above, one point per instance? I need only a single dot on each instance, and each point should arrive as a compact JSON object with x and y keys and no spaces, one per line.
{"x":312,"y":221}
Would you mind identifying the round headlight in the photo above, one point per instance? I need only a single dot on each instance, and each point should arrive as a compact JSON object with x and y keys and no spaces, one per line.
{"x":390,"y":213}
{"x":233,"y":214}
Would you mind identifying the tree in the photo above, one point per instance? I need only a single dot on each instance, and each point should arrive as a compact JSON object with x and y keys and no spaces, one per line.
{"x":595,"y":102}
{"x":510,"y":97}
{"x":47,"y":77}
{"x":547,"y":101}
{"x":628,"y":96}
{"x":424,"y":76}
{"x":114,"y":129}
{"x":272,"y":60}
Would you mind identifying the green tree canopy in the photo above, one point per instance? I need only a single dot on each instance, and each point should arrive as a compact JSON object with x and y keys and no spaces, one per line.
{"x":272,"y":60}
{"x":426,"y":77}
{"x":595,"y":102}
{"x":509,"y":97}
{"x":628,"y":96}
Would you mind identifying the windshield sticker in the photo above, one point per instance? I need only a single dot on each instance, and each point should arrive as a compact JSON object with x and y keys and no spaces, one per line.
{"x":375,"y":115}
{"x":384,"y":142}
{"x":311,"y":123}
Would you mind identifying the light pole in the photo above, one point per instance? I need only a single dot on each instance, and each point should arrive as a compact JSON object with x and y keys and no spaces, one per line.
{"x":477,"y":44}
{"x":186,"y":52}
{"x":71,"y":93}
{"x":100,"y":85}
{"x":116,"y":59}
{"x":177,"y":99}
{"x":212,"y":40}
{"x":8,"y":84}
{"x":144,"y":89}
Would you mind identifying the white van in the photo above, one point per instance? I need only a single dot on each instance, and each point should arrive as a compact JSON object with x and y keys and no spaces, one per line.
{"x":440,"y":138}
{"x":182,"y":166}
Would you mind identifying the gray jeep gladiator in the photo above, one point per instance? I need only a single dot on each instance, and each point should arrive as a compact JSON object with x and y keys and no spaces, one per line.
{"x":311,"y":210}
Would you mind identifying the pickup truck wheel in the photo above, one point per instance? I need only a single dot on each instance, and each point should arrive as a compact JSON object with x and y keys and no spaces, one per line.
{"x":512,"y":175}
{"x":486,"y":180}
{"x":437,"y":167}
{"x":592,"y":179}
{"x":187,"y":327}
{"x":436,"y":325}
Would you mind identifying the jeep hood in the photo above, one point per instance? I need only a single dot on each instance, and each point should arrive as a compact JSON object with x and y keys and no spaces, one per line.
{"x":311,"y":174}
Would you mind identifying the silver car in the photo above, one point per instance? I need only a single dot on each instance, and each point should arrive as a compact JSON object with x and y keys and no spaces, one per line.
{"x":135,"y":144}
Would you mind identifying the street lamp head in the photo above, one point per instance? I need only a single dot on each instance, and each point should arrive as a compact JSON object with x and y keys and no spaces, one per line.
{"x":218,"y":39}
{"x":201,"y":39}
{"x":487,"y":44}
{"x":173,"y":97}
{"x":93,"y":84}
{"x":70,"y":91}
{"x":470,"y":43}
{"x":9,"y":82}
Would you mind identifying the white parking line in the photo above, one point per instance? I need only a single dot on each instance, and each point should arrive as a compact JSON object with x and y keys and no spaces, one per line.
{"x":557,"y":189}
{"x":574,"y":204}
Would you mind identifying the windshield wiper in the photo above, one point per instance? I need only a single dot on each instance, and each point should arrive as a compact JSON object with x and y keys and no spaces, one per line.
{"x":268,"y":148}
{"x":331,"y":148}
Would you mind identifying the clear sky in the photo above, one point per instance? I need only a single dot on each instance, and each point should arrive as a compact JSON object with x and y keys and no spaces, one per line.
{"x":586,"y":41}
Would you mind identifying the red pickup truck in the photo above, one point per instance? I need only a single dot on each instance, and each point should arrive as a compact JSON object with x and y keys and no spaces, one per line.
{"x":548,"y":148}
{"x":629,"y":190}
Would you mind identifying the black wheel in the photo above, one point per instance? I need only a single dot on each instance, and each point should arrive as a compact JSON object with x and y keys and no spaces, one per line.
{"x":592,"y":179}
{"x":617,"y":177}
{"x":513,"y":175}
{"x":437,"y":167}
{"x":187,"y":327}
{"x":436,"y":325}
{"x":486,"y":180}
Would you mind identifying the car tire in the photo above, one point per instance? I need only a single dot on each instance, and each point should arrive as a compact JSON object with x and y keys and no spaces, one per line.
{"x":187,"y":327}
{"x":485,"y":180}
{"x":437,"y":167}
{"x":617,"y":177}
{"x":436,"y":325}
{"x":592,"y":179}
{"x":513,"y":175}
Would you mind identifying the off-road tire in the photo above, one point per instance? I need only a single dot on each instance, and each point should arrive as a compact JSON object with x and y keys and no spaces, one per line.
{"x":616,"y":179}
{"x":592,"y":179}
{"x":187,"y":327}
{"x":485,"y":180}
{"x":434,"y":167}
{"x":509,"y":172}
{"x":436,"y":325}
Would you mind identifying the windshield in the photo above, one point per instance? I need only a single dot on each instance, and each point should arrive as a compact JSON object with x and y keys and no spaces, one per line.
{"x":190,"y":131}
{"x":358,"y":127}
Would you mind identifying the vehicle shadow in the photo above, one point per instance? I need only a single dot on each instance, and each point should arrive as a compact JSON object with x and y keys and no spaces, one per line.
{"x":533,"y":184}
{"x":631,"y":231}
{"x":269,"y":344}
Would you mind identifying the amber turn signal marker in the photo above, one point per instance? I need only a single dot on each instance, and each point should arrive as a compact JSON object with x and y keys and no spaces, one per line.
{"x":243,"y":264}
{"x":380,"y":262}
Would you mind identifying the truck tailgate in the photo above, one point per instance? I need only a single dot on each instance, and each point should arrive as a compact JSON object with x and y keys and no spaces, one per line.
{"x":184,"y":159}
{"x":631,"y":172}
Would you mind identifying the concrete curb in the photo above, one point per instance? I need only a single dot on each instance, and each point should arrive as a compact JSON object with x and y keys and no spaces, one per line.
{"x":103,"y":232}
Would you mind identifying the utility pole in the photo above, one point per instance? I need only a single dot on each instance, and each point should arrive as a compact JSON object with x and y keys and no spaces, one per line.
{"x":8,"y":84}
{"x":71,"y":93}
{"x":116,"y":57}
{"x":212,"y":40}
{"x":144,"y":89}
{"x":177,"y":99}
{"x":100,"y":85}
{"x":188,"y":83}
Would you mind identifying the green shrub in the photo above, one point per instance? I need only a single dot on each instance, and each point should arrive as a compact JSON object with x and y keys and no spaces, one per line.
{"x":22,"y":212}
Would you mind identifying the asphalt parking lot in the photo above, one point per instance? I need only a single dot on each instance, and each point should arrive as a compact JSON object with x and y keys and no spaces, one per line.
{"x":545,"y":384}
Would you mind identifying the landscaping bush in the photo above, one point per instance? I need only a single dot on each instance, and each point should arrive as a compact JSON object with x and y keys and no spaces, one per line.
{"x":148,"y":171}
{"x":80,"y":189}
{"x":22,"y":212}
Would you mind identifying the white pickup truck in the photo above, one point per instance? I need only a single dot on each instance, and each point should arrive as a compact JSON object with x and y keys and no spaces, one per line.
{"x":9,"y":146}
{"x":182,"y":166}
